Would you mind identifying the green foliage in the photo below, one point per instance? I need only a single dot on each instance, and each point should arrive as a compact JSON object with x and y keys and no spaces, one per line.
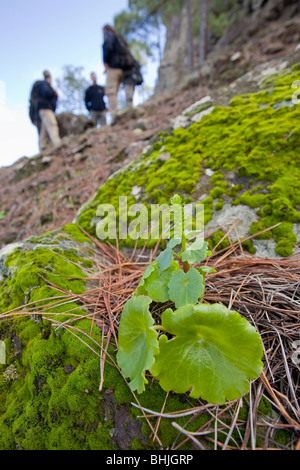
{"x":213,"y":350}
{"x":137,"y":340}
{"x":206,"y":348}
{"x":141,"y":24}
{"x":71,"y":87}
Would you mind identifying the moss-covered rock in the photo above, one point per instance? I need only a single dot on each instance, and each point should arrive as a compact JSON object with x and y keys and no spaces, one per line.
{"x":49,"y":385}
{"x":252,"y":148}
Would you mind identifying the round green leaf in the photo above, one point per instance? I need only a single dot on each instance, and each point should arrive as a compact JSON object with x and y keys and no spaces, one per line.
{"x":215,"y":352}
{"x":137,"y":341}
{"x":196,"y":252}
{"x":174,"y":242}
{"x":206,"y":270}
{"x":165,"y":258}
{"x":156,"y":285}
{"x":141,"y":290}
{"x":186,"y":288}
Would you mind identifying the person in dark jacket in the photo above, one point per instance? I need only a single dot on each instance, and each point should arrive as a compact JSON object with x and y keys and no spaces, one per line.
{"x":47,"y":100}
{"x":94,"y":102}
{"x":113,"y":48}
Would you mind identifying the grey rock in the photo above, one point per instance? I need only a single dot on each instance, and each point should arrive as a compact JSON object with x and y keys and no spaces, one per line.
{"x":238,"y":218}
{"x":199,"y":106}
{"x":199,"y":116}
{"x":71,"y":124}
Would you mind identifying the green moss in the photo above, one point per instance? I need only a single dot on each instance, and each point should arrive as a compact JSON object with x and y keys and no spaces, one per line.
{"x":284,"y":248}
{"x":45,"y":406}
{"x":74,"y":231}
{"x":50,"y":397}
{"x":216,"y":192}
{"x":248,"y":246}
{"x":282,"y":437}
{"x":27,"y":270}
{"x":264,"y":406}
{"x":253,"y":200}
{"x":215,"y":240}
{"x":219,"y":205}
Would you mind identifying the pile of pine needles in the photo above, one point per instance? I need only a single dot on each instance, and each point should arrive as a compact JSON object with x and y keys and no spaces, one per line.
{"x":265,"y":291}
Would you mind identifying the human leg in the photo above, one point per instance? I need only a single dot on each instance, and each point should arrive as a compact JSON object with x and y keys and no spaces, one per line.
{"x":94,"y":117}
{"x":103,"y":118}
{"x":114,"y":78}
{"x":50,"y":126}
{"x":129,"y":91}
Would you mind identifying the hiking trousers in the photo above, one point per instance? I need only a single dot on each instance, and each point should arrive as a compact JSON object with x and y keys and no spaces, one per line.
{"x":114,"y":78}
{"x":98,"y":117}
{"x":49,"y":129}
{"x":129,"y":92}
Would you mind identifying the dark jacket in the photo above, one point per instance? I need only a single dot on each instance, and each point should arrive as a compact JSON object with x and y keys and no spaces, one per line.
{"x":94,"y":98}
{"x":47,"y":97}
{"x":115,"y":54}
{"x":109,"y":49}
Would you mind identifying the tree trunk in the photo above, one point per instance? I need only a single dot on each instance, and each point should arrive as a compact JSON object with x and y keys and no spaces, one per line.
{"x":203,"y":32}
{"x":190,"y":48}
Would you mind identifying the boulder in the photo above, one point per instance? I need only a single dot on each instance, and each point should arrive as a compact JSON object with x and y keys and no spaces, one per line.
{"x":72,"y":124}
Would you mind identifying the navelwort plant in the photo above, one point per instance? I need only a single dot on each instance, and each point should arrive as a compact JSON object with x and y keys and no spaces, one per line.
{"x":205,"y":349}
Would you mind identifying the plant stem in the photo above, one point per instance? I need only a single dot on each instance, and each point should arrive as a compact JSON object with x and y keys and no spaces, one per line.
{"x":159,"y":327}
{"x":186,"y":265}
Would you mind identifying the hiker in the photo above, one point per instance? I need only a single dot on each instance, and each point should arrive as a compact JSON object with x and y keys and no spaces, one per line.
{"x":117,"y":59}
{"x":33,"y":106}
{"x":132,"y":78}
{"x":94,"y":102}
{"x":47,"y":100}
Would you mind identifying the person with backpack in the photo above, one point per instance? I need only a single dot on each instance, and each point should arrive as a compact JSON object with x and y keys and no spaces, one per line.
{"x":117,"y":59}
{"x":47,"y":100}
{"x":33,"y":106}
{"x":132,"y":78}
{"x":94,"y":102}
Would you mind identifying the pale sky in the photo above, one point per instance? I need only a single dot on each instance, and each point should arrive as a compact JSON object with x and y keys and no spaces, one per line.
{"x":37,"y":35}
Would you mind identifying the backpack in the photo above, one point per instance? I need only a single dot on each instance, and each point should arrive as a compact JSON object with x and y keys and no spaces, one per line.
{"x":136,"y":73}
{"x":125,"y":59}
{"x":33,"y":104}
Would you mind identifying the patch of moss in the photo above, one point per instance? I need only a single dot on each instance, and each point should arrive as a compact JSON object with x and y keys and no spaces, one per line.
{"x":219,"y":205}
{"x":248,"y":246}
{"x":76,"y":234}
{"x":50,"y":397}
{"x":216,"y":240}
{"x":252,"y":200}
{"x":264,"y":406}
{"x":48,"y":404}
{"x":282,"y":437}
